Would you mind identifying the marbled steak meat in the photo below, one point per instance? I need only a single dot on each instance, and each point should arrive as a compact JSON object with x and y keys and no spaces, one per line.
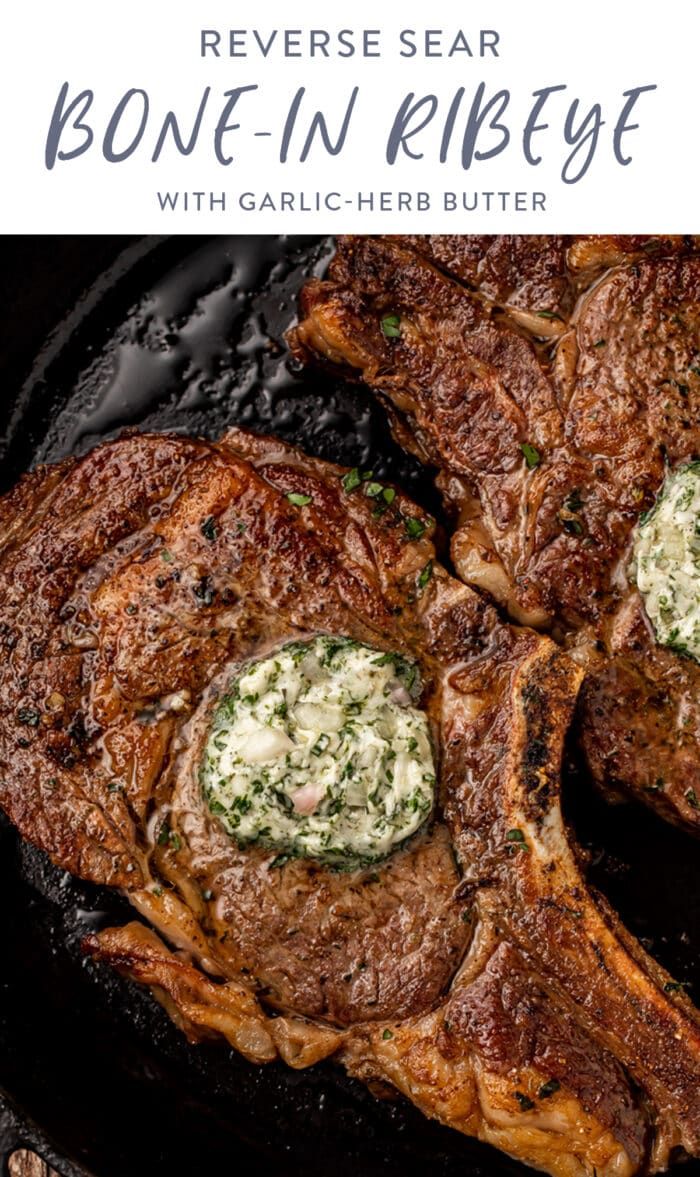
{"x":552,"y":380}
{"x":472,"y":969}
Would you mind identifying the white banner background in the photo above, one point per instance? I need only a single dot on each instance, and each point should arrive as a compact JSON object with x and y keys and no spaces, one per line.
{"x":598,"y":49}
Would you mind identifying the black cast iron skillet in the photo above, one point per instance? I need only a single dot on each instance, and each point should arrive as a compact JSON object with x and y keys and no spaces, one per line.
{"x":101,"y":333}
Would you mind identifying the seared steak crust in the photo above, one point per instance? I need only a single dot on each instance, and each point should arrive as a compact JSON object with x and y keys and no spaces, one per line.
{"x":548,"y":459}
{"x":126,"y":633}
{"x":514,"y":1020}
{"x":472,"y":970}
{"x":516,"y":271}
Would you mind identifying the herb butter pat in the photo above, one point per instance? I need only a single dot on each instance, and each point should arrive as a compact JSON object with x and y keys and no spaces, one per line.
{"x":319,"y":751}
{"x":666,"y":562}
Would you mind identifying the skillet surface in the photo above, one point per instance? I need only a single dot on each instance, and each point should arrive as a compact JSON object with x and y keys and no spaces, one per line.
{"x":98,"y":334}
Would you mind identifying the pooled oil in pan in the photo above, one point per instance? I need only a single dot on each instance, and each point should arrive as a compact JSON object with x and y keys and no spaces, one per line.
{"x":191,"y":340}
{"x":187,"y":335}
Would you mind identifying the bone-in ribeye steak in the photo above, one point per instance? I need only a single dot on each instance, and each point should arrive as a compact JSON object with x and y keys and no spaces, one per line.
{"x":476,"y":974}
{"x":552,"y":381}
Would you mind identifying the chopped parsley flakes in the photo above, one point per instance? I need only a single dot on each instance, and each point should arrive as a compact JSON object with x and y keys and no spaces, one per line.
{"x":351,"y":480}
{"x":391,"y":326}
{"x":531,"y":455}
{"x":425,"y":575}
{"x":209,"y":529}
{"x":415,"y":528}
